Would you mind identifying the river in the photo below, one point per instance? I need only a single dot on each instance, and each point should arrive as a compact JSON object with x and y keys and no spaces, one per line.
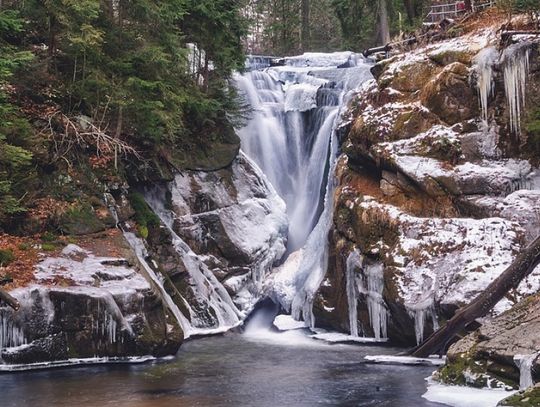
{"x":233,"y":370}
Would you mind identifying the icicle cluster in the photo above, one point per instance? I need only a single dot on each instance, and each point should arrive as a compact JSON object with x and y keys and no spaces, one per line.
{"x":516,"y":68}
{"x":10,"y":334}
{"x":354,"y":261}
{"x":420,"y":315}
{"x":484,"y":61}
{"x":375,"y":301}
{"x":525,"y":364}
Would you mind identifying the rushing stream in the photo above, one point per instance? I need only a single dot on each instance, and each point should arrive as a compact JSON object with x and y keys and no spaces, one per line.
{"x":235,"y":370}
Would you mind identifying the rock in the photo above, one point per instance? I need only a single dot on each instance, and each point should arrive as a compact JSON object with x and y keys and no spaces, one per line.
{"x":104,"y":308}
{"x":493,"y":347}
{"x":449,"y":95}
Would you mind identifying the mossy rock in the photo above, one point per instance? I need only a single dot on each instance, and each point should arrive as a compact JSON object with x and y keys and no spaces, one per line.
{"x":449,"y":95}
{"x":213,"y":151}
{"x":80,"y":219}
{"x":448,"y":56}
{"x":527,"y":398}
{"x":411,"y":78}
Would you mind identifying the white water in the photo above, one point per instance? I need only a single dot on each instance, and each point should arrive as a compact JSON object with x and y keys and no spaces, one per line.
{"x":515,"y":60}
{"x":295,"y":109}
{"x":208,"y":292}
{"x":484,"y":62}
{"x":525,"y":364}
{"x":354,"y":261}
{"x":292,"y":138}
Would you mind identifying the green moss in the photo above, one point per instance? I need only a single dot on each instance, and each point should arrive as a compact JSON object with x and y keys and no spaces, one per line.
{"x":48,"y":237}
{"x":454,"y":372}
{"x":80,"y":219}
{"x":48,"y":247}
{"x":528,"y":398}
{"x":6,"y":257}
{"x":144,"y":216}
{"x":24,"y":246}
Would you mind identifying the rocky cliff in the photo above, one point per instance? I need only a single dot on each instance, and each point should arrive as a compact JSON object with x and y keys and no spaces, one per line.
{"x":438,"y":187}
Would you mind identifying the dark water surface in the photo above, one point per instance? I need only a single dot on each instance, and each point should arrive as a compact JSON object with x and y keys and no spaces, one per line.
{"x":275,"y":370}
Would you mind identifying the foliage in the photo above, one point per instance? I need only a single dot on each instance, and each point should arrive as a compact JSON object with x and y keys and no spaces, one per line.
{"x":6,"y":257}
{"x":144,"y":216}
{"x":14,"y":157}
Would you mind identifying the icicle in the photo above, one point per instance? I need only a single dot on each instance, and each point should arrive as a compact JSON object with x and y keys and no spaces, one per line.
{"x":10,"y":334}
{"x":485,"y":60}
{"x":376,"y":307}
{"x":420,"y":312}
{"x":353,"y":261}
{"x":516,"y":69}
{"x":525,"y":364}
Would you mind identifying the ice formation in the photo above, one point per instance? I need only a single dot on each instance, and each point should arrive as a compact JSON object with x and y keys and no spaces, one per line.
{"x":525,"y":364}
{"x":354,"y":260}
{"x":484,"y":61}
{"x":516,"y":69}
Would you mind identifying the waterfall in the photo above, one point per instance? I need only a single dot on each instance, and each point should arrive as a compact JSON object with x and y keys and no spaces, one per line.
{"x":525,"y":364}
{"x":295,"y":109}
{"x":354,"y":260}
{"x":376,"y":307}
{"x":291,"y":137}
{"x":515,"y":61}
{"x":484,"y":62}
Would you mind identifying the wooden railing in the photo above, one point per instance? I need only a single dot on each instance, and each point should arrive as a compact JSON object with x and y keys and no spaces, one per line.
{"x":439,"y":12}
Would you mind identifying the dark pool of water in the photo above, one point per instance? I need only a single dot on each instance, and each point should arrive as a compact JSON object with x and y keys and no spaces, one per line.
{"x":233,"y":370}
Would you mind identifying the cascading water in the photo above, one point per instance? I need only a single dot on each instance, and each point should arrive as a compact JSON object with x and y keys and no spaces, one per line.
{"x":291,"y":137}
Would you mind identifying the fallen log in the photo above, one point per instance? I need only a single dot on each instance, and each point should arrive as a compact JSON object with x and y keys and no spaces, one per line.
{"x":9,"y":300}
{"x":522,"y":266}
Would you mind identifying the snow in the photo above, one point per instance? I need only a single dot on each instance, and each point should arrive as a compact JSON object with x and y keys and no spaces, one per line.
{"x":335,"y":337}
{"x":451,"y":260}
{"x":75,"y":362}
{"x":288,"y":323}
{"x":319,"y":59}
{"x":405,"y":360}
{"x":460,"y":396}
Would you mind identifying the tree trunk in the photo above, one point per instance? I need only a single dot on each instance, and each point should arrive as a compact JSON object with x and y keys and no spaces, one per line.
{"x":522,"y":266}
{"x":305,"y":36}
{"x":384,"y":28}
{"x":409,"y":8}
{"x":9,"y":300}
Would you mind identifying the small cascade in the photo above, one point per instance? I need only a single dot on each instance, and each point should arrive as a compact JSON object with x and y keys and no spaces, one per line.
{"x":484,"y":63}
{"x":140,"y":251}
{"x":208,"y":290}
{"x":354,"y":261}
{"x":515,"y":60}
{"x":525,"y":364}
{"x":376,"y":307}
{"x":420,"y":313}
